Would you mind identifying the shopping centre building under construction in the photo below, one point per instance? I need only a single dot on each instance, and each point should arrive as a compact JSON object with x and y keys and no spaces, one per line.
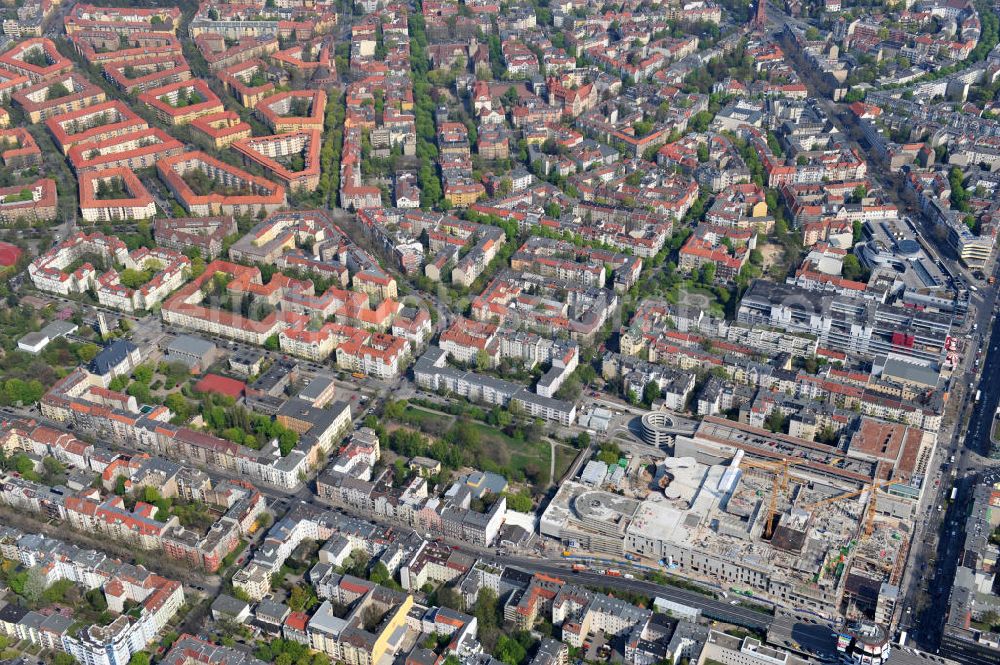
{"x":801,"y":523}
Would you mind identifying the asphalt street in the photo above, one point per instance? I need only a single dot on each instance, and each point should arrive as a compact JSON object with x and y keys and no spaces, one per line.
{"x":977,"y":441}
{"x":710,"y":607}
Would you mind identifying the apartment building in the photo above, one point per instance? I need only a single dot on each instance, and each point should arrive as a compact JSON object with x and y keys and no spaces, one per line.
{"x":16,"y":60}
{"x":851,"y":325}
{"x":220,"y":130}
{"x":248,"y":194}
{"x":182,"y":102}
{"x":292,"y":158}
{"x":56,"y":96}
{"x":133,"y":150}
{"x":204,"y":233}
{"x":293,"y":111}
{"x":34,"y":202}
{"x":140,"y":74}
{"x":131,"y":201}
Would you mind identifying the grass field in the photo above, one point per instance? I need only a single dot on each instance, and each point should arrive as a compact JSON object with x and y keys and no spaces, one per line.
{"x":530,"y":457}
{"x":417,"y":415}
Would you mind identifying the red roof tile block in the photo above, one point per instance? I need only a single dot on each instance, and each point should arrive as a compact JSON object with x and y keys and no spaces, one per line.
{"x":268,"y":150}
{"x":171,"y":105}
{"x":257,"y":193}
{"x":39,"y":103}
{"x":221,"y":129}
{"x":137,"y":204}
{"x":14,"y":59}
{"x":94,"y":123}
{"x":276,"y":111}
{"x":133,"y":150}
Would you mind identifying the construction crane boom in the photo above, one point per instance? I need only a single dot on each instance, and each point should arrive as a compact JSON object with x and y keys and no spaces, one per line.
{"x":848,"y":495}
{"x":779,"y":470}
{"x":869,"y":517}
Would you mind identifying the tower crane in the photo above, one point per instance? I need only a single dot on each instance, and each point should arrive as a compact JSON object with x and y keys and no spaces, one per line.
{"x":872,"y":488}
{"x":779,"y":471}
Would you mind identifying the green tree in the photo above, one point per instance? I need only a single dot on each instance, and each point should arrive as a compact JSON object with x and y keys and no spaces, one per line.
{"x":95,"y":598}
{"x":520,"y":502}
{"x":272,"y":343}
{"x":53,"y":467}
{"x":57,"y":90}
{"x":139,"y":658}
{"x":34,"y":586}
{"x":650,"y":393}
{"x":447,"y":596}
{"x":852,"y":268}
{"x":359,"y":563}
{"x":286,"y":441}
{"x":86,"y":352}
{"x":509,"y":651}
{"x":706,"y":275}
{"x":775,"y":421}
{"x":179,"y":405}
{"x":25,"y":392}
{"x":301,"y":598}
{"x":380,"y":574}
{"x":143,"y":374}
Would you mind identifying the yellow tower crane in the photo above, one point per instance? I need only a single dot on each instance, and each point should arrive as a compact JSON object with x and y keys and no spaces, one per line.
{"x":779,"y":471}
{"x":869,"y":520}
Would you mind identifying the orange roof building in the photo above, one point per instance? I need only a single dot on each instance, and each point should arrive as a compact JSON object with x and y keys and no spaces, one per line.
{"x":15,"y":59}
{"x":293,"y":111}
{"x":94,"y":123}
{"x":181,"y":102}
{"x":18,"y":148}
{"x":137,"y":203}
{"x":139,"y":149}
{"x":247,"y":81}
{"x":248,"y":194}
{"x":220,"y":130}
{"x":57,"y":95}
{"x":141,"y":74}
{"x":99,"y":47}
{"x":121,"y":20}
{"x":35,"y":202}
{"x":276,"y":154}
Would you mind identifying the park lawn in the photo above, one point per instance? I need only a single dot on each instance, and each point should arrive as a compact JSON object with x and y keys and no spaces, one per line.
{"x":522,"y":453}
{"x":517,"y":455}
{"x":417,"y":416}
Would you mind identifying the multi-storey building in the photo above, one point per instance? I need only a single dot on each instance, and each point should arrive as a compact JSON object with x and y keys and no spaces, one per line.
{"x":56,"y":96}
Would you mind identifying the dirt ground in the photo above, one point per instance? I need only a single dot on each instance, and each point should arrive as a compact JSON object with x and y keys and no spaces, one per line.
{"x":772,"y":254}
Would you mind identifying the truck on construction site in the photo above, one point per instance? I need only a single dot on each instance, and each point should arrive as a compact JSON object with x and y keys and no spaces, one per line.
{"x":579,"y":568}
{"x":612,"y":572}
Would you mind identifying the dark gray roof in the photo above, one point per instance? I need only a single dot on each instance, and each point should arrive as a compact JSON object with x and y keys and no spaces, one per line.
{"x":112,"y":355}
{"x":225,"y":604}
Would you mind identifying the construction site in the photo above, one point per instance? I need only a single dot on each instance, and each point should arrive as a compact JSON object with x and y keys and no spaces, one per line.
{"x":771,"y":529}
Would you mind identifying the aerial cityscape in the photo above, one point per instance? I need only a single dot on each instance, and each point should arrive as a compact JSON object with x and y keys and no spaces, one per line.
{"x":461,"y":332}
